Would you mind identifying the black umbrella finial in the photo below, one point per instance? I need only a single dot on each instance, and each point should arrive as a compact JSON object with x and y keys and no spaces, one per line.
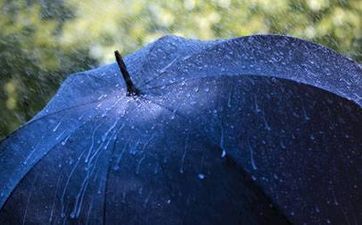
{"x":131,"y":88}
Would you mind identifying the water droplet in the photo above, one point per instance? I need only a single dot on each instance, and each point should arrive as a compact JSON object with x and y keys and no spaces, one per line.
{"x":223,"y":153}
{"x":57,"y":126}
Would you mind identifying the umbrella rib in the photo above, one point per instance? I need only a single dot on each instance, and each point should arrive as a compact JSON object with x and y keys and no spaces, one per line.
{"x":250,"y":75}
{"x":278,"y":209}
{"x":48,"y":151}
{"x":108,"y":172}
{"x":116,"y":134}
{"x":198,"y":78}
{"x":162,"y":71}
{"x":176,"y":113}
{"x":97,"y":116}
{"x":334,"y":90}
{"x":50,"y":114}
{"x":154,"y":78}
{"x":181,"y":61}
{"x":147,"y":61}
{"x":107,"y":178}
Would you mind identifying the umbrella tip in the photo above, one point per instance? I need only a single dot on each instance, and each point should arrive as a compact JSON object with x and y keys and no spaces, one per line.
{"x":131,"y":88}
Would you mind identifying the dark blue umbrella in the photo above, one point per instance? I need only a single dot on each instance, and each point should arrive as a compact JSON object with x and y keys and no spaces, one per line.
{"x":253,"y":130}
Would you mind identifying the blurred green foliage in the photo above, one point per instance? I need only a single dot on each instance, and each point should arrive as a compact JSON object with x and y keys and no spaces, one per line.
{"x":41,"y":42}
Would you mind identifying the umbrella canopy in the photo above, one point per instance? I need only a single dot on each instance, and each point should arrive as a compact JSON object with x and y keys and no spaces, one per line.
{"x":253,"y":130}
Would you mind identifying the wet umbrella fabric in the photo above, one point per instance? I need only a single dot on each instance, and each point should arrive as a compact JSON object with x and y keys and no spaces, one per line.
{"x":218,"y":124}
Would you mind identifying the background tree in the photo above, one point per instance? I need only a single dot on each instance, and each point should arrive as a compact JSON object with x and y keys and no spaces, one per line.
{"x":32,"y":60}
{"x":41,"y":42}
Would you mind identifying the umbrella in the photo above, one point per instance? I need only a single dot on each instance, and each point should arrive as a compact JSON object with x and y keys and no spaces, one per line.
{"x":255,"y":130}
